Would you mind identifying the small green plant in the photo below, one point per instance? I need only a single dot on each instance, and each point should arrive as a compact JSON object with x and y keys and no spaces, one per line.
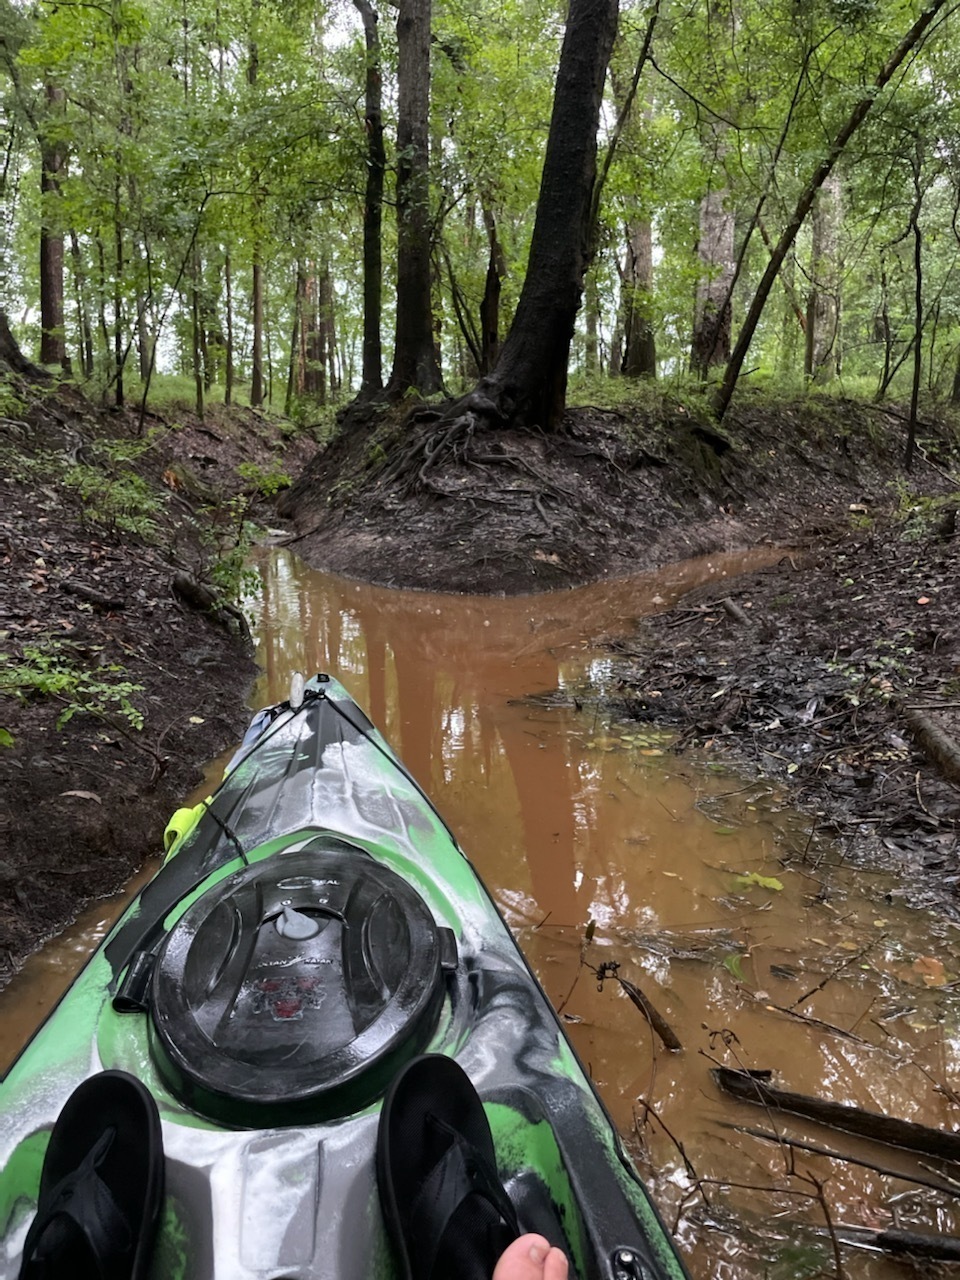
{"x":263,"y":482}
{"x":229,"y":540}
{"x":11,"y":404}
{"x":53,"y":669}
{"x":123,"y":502}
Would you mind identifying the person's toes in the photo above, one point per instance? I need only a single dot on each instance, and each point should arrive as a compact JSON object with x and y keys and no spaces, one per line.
{"x":531,"y":1258}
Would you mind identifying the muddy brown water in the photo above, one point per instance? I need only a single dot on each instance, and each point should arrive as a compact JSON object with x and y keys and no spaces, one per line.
{"x":709,"y":893}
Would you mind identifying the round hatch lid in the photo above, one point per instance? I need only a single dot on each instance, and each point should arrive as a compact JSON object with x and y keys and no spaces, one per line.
{"x":293,"y":990}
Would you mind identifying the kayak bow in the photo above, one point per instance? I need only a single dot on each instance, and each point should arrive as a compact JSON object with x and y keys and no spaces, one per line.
{"x":314,"y":927}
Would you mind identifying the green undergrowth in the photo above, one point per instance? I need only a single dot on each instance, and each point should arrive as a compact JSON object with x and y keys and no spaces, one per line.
{"x":60,"y":671}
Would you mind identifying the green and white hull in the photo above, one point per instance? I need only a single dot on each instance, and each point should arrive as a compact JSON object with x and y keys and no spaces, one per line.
{"x":314,"y":928}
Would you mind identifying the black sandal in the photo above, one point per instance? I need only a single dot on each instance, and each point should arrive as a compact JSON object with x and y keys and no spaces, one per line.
{"x":445,"y":1208}
{"x":101,"y":1188}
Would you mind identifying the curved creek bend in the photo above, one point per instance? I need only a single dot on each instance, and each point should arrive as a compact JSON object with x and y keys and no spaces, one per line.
{"x":583,"y":829}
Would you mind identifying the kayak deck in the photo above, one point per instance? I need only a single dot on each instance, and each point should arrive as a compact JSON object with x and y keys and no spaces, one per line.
{"x":315,"y":928}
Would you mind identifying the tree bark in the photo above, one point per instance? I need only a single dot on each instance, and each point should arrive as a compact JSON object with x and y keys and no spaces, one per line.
{"x":822,"y":362}
{"x":53,"y":159}
{"x":294,"y":371}
{"x":529,"y":384}
{"x":639,"y":359}
{"x":228,"y":288}
{"x":859,"y":113}
{"x":11,"y":357}
{"x":371,"y":377}
{"x":490,"y":302}
{"x":85,"y":343}
{"x":713,"y":312}
{"x":256,"y":373}
{"x":415,"y":363}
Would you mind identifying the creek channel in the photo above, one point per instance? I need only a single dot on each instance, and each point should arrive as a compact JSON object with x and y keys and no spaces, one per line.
{"x":756,"y":941}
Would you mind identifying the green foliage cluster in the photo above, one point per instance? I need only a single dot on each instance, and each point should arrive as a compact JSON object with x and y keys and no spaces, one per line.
{"x":120,"y":502}
{"x":200,"y":146}
{"x":56,"y":669}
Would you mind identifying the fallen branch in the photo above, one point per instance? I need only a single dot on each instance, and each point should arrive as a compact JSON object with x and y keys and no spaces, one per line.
{"x":735,"y":612}
{"x":768,"y":1135}
{"x":937,"y":745}
{"x":656,"y":1019}
{"x":919,"y":1245}
{"x":108,"y":603}
{"x":751,"y":1086}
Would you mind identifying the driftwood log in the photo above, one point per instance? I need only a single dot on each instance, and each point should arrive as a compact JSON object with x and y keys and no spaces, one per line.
{"x":935,"y":744}
{"x":753,"y":1087}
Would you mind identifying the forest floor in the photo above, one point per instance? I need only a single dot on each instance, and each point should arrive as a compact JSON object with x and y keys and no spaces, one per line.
{"x":808,"y":670}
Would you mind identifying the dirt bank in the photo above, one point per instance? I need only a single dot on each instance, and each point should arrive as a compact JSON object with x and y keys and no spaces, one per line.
{"x":97,"y":522}
{"x":838,"y":670}
{"x":396,"y":502}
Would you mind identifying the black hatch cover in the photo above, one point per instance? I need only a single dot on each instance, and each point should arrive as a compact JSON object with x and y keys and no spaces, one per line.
{"x":293,"y":990}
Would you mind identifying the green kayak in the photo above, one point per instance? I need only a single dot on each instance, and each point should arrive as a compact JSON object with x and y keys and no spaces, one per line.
{"x":313,"y":928}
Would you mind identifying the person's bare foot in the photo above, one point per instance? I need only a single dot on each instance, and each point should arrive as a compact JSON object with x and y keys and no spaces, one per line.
{"x":531,"y":1258}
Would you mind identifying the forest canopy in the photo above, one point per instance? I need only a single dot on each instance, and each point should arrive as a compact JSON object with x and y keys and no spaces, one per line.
{"x":213,"y":191}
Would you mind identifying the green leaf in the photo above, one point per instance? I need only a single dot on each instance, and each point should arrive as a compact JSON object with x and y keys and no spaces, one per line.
{"x":732,"y":965}
{"x":754,"y":880}
{"x":6,"y":738}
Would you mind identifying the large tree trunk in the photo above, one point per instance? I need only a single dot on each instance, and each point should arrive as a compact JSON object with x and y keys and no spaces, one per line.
{"x":710,"y":345}
{"x":859,"y":113}
{"x":11,"y":357}
{"x":371,"y":378}
{"x":53,"y":159}
{"x":529,"y":384}
{"x":823,"y":305}
{"x":415,"y":361}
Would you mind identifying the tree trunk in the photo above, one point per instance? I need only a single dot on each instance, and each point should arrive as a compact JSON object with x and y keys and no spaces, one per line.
{"x":710,"y":345}
{"x":591,"y":349}
{"x":529,"y":384}
{"x":85,"y":343}
{"x":53,"y":159}
{"x":859,"y":113}
{"x":639,"y":359}
{"x":196,"y":342}
{"x":11,"y":357}
{"x":119,"y":355}
{"x":415,"y":363}
{"x":822,"y":362}
{"x":256,"y":374}
{"x":490,"y":302}
{"x":918,"y":308}
{"x":294,"y":369}
{"x":371,"y":378}
{"x":228,"y":287}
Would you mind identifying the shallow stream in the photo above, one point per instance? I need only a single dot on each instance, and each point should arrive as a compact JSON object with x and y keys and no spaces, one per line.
{"x":752,"y":938}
